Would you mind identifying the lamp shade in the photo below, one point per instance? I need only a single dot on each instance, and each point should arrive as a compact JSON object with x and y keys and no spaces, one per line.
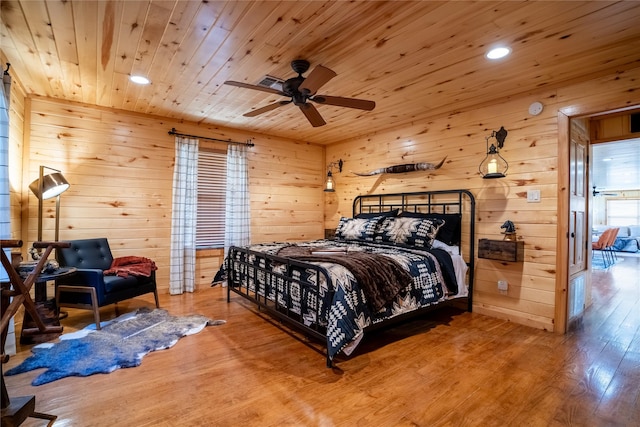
{"x":52,"y":185}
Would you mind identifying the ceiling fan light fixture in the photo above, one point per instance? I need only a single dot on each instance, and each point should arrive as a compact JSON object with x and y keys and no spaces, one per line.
{"x":302,"y":89}
{"x":271,"y":82}
{"x":498,"y":52}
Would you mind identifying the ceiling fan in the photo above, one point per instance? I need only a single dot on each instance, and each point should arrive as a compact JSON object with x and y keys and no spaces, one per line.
{"x":302,"y":89}
{"x":600,"y":193}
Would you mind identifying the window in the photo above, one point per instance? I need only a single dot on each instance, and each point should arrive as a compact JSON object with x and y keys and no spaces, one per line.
{"x":212,"y":183}
{"x":623,"y":212}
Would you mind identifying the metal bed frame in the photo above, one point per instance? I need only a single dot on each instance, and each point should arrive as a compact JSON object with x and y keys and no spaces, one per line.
{"x":250,"y":281}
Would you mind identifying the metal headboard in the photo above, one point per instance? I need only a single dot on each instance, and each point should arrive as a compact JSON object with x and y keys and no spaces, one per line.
{"x":460,"y":202}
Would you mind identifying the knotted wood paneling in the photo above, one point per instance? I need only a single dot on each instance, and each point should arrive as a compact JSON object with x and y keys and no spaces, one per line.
{"x":531,"y":148}
{"x":120,"y":166}
{"x":416,"y":59}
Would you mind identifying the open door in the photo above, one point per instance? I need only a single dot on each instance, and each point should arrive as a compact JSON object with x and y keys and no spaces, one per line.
{"x":579,"y":290}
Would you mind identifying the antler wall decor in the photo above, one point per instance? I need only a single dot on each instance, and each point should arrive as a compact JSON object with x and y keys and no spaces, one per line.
{"x":404,"y":168}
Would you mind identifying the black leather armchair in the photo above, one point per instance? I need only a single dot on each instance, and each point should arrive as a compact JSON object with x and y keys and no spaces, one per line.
{"x":89,"y":287}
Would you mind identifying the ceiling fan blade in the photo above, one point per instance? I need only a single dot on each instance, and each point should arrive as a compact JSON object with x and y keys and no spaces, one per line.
{"x":602,"y":192}
{"x":266,"y":109}
{"x":312,"y":114}
{"x":316,"y":79}
{"x":255,"y":87}
{"x":360,"y":104}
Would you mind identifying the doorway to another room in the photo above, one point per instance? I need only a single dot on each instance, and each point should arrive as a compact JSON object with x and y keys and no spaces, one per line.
{"x":615,"y":198}
{"x":614,"y":178}
{"x":600,"y":192}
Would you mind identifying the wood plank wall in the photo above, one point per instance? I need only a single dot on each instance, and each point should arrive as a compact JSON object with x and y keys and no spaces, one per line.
{"x":614,"y":127}
{"x":96,"y":147}
{"x":531,"y":148}
{"x":120,"y":166}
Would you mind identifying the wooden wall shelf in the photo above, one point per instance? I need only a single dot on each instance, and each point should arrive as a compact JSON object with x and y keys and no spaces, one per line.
{"x":501,"y":250}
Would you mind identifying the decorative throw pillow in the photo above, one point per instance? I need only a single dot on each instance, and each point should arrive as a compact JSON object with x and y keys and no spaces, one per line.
{"x":415,"y":232}
{"x":449,"y":233}
{"x":363,"y":229}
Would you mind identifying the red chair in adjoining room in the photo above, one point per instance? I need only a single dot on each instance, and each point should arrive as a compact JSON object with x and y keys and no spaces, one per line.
{"x":609,"y":246}
{"x":601,"y":245}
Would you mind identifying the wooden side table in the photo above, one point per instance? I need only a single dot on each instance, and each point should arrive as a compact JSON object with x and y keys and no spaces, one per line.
{"x":17,"y":409}
{"x":47,"y":311}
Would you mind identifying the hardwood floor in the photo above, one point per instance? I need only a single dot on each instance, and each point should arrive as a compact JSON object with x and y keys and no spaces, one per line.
{"x":452,"y":369}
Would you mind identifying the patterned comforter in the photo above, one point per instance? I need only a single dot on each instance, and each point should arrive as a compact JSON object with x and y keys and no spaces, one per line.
{"x":340,"y":304}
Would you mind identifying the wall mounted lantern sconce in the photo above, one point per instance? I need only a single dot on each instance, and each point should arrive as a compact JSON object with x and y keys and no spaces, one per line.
{"x":494,"y":165}
{"x":46,"y":187}
{"x":329,"y":185}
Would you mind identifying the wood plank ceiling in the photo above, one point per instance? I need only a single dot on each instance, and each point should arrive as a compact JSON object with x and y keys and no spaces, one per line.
{"x":416,"y":60}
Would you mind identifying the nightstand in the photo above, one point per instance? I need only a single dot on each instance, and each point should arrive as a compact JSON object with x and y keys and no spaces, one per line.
{"x":501,"y":250}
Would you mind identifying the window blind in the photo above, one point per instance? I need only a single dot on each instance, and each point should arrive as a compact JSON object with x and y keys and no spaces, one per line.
{"x":212,"y":182}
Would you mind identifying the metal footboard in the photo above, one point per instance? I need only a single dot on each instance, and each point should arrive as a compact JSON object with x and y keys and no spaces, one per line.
{"x":275,"y":285}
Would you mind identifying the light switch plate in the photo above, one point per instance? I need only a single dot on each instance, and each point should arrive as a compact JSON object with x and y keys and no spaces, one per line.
{"x":533,"y":196}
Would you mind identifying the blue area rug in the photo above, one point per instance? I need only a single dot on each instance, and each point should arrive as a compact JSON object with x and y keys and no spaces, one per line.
{"x":121,"y":343}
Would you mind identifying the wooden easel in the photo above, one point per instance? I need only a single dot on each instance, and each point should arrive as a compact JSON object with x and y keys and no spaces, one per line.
{"x":16,"y":410}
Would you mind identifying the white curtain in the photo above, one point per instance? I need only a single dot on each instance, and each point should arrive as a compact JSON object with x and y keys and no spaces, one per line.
{"x":5,"y":203}
{"x":237,"y":223}
{"x":182,"y":268}
{"x":5,"y":199}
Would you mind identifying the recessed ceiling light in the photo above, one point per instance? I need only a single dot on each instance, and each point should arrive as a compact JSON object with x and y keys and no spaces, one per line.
{"x":498,"y":52}
{"x":607,"y":159}
{"x":141,"y":80}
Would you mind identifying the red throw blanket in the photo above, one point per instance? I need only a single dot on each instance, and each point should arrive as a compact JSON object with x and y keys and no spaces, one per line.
{"x":131,"y":266}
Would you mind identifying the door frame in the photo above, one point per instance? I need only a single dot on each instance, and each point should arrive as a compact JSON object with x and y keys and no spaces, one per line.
{"x":562,"y":242}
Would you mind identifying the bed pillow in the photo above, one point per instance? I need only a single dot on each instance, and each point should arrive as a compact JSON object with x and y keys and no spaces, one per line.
{"x":363,"y":229}
{"x":385,"y":214}
{"x":414,"y":232}
{"x":449,"y":233}
{"x":453,"y":250}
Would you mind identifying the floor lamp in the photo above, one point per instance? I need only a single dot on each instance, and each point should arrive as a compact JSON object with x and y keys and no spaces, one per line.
{"x":46,"y":187}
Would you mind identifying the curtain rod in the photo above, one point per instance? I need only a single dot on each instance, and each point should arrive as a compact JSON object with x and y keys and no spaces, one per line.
{"x":228,"y":141}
